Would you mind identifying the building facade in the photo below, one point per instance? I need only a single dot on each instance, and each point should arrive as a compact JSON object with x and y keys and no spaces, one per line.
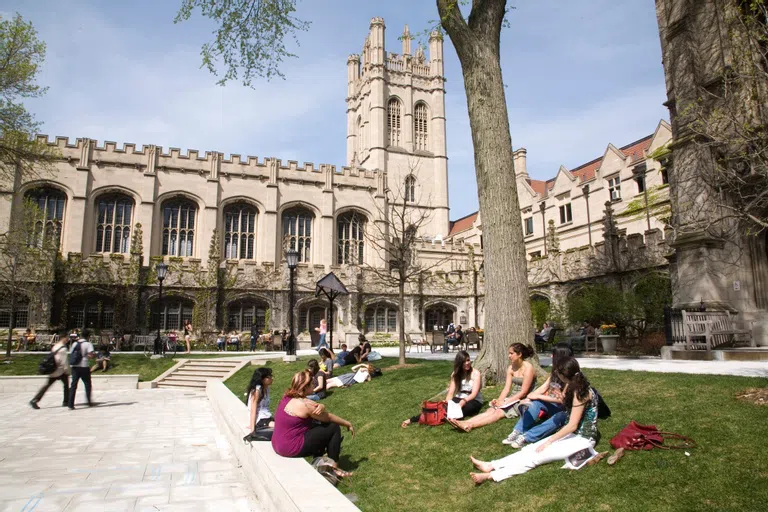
{"x":222,"y":224}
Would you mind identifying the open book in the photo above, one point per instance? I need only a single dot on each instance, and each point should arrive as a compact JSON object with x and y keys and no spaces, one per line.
{"x":507,"y":405}
{"x":580,"y":458}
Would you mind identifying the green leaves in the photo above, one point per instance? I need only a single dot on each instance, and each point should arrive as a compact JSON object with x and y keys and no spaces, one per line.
{"x":249,"y":38}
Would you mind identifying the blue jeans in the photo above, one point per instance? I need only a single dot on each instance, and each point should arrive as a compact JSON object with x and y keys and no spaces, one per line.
{"x":253,"y":343}
{"x":322,"y":342}
{"x":317,"y":396}
{"x":527,"y":424}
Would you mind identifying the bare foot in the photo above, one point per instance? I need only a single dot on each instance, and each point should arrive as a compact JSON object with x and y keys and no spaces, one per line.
{"x":459,"y":425}
{"x":342,"y":474}
{"x":405,"y":423}
{"x":479,"y":478}
{"x":485,"y":467}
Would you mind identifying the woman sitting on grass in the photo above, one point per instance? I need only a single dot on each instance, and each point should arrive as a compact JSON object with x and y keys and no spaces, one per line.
{"x":521,"y":378}
{"x":353,"y":357}
{"x":464,"y":387}
{"x":546,"y":402}
{"x":297,"y":435}
{"x":363,"y":372}
{"x":258,"y":399}
{"x":326,"y":361}
{"x":579,"y":433}
{"x":319,"y":380}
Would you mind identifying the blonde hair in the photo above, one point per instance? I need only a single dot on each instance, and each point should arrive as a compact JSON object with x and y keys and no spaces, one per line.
{"x":299,"y":384}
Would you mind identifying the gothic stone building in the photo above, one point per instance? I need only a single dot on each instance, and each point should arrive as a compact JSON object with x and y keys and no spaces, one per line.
{"x":222,"y":223}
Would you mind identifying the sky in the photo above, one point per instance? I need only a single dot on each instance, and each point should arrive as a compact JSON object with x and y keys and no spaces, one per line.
{"x":579,"y":74}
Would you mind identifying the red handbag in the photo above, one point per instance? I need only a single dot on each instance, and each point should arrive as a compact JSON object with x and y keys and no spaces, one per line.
{"x":433,"y":413}
{"x":647,"y":437}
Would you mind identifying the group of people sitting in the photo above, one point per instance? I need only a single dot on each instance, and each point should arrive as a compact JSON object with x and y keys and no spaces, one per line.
{"x":554,"y":421}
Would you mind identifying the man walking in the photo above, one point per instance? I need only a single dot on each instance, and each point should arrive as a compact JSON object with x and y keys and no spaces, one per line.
{"x":62,"y":371}
{"x":82,"y":350}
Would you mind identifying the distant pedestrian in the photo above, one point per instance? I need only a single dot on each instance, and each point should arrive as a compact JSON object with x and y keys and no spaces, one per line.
{"x":81,"y":351}
{"x":188,"y":335}
{"x":62,"y":371}
{"x":323,"y":331}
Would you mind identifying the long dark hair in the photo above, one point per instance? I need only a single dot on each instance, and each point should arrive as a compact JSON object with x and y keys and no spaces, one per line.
{"x":462,"y":356}
{"x":525,"y":351}
{"x":314,"y":367}
{"x":257,"y":379}
{"x":578,"y":385}
{"x":560,"y":353}
{"x":325,"y":353}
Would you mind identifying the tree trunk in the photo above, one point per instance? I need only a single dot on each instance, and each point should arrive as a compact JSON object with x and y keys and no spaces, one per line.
{"x":11,"y":324}
{"x":401,"y":319}
{"x":508,"y":314}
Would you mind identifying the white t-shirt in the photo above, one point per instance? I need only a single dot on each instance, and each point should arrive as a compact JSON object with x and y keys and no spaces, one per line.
{"x":263,"y":407}
{"x":86,"y":347}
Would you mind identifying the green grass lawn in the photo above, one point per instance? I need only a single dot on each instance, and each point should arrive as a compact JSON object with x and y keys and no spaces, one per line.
{"x":427,"y":468}
{"x":123,"y":364}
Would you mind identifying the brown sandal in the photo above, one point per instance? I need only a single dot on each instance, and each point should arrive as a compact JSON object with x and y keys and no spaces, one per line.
{"x":618,"y":454}
{"x":597,"y":458}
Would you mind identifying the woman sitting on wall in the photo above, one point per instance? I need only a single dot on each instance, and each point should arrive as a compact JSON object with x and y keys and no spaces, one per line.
{"x":297,"y":435}
{"x":464,"y":387}
{"x":521,"y":378}
{"x":258,"y":399}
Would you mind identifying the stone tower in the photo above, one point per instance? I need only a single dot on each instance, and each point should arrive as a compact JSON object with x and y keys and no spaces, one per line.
{"x":396,"y":120}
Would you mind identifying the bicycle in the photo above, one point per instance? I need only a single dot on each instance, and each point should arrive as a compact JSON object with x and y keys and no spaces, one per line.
{"x":166,"y":346}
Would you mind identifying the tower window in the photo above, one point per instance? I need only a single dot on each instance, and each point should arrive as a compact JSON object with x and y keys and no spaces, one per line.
{"x":565,"y":214}
{"x":420,"y":127}
{"x":350,"y":228}
{"x":614,"y":187}
{"x":394,"y":124}
{"x":50,"y":203}
{"x":410,"y":188}
{"x":528,"y":226}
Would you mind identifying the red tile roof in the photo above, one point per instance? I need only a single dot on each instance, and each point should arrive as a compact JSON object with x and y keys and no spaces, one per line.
{"x":462,"y":224}
{"x":634,"y":151}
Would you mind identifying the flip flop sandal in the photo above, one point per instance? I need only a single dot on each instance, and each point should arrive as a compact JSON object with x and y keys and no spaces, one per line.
{"x":618,"y":454}
{"x":597,"y":458}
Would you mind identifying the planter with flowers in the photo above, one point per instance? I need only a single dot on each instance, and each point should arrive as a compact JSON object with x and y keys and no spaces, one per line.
{"x":608,"y":337}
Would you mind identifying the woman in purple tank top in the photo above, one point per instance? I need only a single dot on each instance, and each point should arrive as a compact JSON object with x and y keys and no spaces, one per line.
{"x":295,"y":433}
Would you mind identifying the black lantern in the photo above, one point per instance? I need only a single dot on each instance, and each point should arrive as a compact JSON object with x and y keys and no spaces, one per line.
{"x":162,"y":271}
{"x":292,"y":259}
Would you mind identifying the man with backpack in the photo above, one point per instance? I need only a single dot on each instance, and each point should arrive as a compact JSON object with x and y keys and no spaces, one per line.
{"x":81,"y":351}
{"x":56,"y":367}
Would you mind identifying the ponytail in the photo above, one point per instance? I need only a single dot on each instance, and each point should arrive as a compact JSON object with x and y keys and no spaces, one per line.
{"x":578,"y":385}
{"x":525,"y":351}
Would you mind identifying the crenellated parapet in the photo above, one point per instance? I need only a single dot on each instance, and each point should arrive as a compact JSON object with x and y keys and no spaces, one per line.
{"x":85,"y":153}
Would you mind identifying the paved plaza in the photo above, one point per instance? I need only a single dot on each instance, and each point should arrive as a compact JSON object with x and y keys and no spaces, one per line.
{"x":144,"y":450}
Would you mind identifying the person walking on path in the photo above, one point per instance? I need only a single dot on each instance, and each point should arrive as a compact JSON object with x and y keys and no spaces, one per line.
{"x":323,"y":330}
{"x":62,"y":371}
{"x":81,"y":351}
{"x":188,"y":335}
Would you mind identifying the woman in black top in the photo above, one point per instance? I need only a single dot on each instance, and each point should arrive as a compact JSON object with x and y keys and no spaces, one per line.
{"x":354,"y":356}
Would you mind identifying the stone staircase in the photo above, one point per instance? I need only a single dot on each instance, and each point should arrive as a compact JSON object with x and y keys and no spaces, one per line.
{"x":193,"y":373}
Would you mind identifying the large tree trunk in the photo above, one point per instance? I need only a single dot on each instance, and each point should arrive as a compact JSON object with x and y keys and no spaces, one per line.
{"x":401,"y":322}
{"x":508,"y":314}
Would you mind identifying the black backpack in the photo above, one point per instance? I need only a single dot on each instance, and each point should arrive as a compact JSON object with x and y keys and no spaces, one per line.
{"x":76,"y":355}
{"x":48,"y":364}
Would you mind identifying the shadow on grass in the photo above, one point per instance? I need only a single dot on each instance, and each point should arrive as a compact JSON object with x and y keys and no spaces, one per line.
{"x":347,"y":464}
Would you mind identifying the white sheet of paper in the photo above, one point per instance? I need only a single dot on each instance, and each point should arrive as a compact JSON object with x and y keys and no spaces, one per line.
{"x":361,"y":376}
{"x":454,"y":410}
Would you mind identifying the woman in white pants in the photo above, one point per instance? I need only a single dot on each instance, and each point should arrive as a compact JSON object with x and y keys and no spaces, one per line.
{"x":579,"y":433}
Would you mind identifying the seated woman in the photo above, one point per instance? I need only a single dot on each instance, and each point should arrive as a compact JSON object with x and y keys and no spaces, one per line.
{"x":545,"y":403}
{"x":521,"y":378}
{"x":365,"y":349}
{"x":578,"y":434}
{"x":464,"y":387}
{"x":221,"y":341}
{"x":352,"y":357}
{"x":348,"y":379}
{"x":234,"y":339}
{"x":102,"y":359}
{"x":297,"y":435}
{"x":326,"y":361}
{"x":258,"y":399}
{"x":319,"y":380}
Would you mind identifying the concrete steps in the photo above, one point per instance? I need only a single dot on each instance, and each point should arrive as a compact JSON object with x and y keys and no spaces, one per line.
{"x":195,"y":373}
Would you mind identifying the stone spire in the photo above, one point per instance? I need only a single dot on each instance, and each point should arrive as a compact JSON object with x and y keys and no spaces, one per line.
{"x":406,"y":41}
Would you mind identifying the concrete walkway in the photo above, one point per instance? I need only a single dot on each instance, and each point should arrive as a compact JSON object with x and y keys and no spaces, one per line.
{"x":144,"y":450}
{"x":646,"y":364}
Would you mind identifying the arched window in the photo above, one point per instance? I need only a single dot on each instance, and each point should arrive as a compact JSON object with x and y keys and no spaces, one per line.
{"x":297,"y":229}
{"x":360,"y":141}
{"x":420,"y":127}
{"x":179,"y":227}
{"x":393,"y":122}
{"x":171,"y":314}
{"x":242,"y":315}
{"x":410,"y":188}
{"x":350,"y":228}
{"x":91,"y":312}
{"x":113,"y":223}
{"x":239,"y":232}
{"x":51,"y":203}
{"x":381,"y":318}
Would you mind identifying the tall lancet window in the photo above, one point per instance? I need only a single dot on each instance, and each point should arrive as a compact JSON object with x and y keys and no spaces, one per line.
{"x":394,"y":123}
{"x":420,"y":127}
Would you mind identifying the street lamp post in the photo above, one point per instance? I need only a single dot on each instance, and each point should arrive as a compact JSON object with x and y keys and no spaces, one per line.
{"x":162,"y":271}
{"x":292,"y":258}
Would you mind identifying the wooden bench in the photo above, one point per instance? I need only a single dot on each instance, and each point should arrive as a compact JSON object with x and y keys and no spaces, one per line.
{"x":418,"y":342}
{"x":471,"y":338}
{"x":438,"y":340}
{"x":45,"y":341}
{"x":710,"y":329}
{"x":143,"y":341}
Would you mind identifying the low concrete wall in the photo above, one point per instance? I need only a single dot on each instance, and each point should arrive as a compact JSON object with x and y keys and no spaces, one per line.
{"x":31,"y":383}
{"x":281,"y":484}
